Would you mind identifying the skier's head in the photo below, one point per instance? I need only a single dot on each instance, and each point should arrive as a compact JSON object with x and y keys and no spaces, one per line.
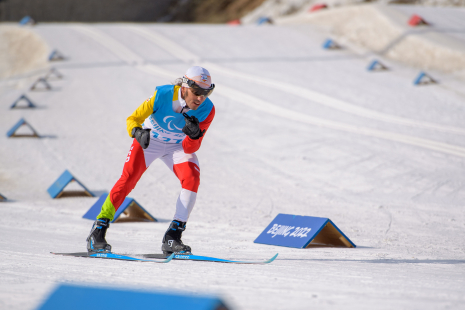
{"x":196,"y":86}
{"x":198,"y":79}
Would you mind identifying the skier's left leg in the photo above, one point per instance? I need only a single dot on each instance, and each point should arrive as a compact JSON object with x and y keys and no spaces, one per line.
{"x":186,"y":168}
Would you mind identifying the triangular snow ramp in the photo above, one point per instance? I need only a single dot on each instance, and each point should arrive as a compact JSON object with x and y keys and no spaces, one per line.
{"x":41,"y":81}
{"x":57,"y":188}
{"x":376,"y":65}
{"x":22,"y":122}
{"x":27,"y":20}
{"x":53,"y":73}
{"x":20,"y":100}
{"x":264,"y":20}
{"x":2,"y":198}
{"x":301,"y":232}
{"x":424,"y":78}
{"x":330,"y":44}
{"x":74,"y":297}
{"x":129,"y":211}
{"x":55,"y":55}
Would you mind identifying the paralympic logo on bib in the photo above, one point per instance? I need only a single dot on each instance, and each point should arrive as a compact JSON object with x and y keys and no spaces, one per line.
{"x":284,"y":230}
{"x":169,"y":123}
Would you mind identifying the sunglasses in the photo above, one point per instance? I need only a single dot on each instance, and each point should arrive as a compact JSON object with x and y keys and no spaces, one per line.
{"x":197,"y":90}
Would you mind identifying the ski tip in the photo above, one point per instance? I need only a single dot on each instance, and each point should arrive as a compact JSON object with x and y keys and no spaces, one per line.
{"x":272,"y":259}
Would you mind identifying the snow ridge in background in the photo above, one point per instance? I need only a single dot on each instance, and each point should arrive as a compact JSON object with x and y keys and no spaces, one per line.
{"x":383,"y":30}
{"x":21,"y":51}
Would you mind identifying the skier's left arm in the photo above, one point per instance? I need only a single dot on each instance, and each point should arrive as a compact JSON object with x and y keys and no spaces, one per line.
{"x":190,"y":145}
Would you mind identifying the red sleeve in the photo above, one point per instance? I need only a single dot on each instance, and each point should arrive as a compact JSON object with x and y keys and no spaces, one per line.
{"x":191,"y":146}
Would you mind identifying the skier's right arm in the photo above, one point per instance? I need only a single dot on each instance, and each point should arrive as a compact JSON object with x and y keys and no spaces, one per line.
{"x":140,"y":114}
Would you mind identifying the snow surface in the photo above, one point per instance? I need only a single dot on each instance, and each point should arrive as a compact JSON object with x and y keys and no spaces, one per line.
{"x":298,"y":130}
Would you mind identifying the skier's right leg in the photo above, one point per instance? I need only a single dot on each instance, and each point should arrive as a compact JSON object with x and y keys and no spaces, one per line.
{"x":136,"y":163}
{"x":133,"y":169}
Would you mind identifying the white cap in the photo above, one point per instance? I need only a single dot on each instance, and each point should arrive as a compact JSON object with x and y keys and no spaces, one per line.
{"x":200,"y":76}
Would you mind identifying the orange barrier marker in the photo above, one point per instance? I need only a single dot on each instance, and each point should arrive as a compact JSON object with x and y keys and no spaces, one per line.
{"x":318,"y":7}
{"x":234,"y":22}
{"x":416,"y":20}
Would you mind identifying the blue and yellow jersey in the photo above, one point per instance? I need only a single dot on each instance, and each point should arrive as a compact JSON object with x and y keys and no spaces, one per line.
{"x":166,"y":124}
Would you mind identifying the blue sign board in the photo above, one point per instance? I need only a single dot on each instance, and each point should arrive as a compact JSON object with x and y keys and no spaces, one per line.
{"x":298,"y":231}
{"x":73,"y":297}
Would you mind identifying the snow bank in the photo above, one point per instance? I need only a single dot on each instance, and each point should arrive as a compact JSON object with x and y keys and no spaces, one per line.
{"x":383,"y":30}
{"x":21,"y":51}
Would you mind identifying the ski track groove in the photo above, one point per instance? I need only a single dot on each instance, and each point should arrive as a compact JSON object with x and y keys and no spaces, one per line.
{"x":130,"y":57}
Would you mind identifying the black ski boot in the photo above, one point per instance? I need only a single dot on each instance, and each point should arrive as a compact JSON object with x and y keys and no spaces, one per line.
{"x":172,"y":239}
{"x":96,"y":241}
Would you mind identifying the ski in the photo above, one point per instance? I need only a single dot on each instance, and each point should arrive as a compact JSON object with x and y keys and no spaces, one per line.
{"x":207,"y":258}
{"x":162,"y":258}
{"x":107,"y":255}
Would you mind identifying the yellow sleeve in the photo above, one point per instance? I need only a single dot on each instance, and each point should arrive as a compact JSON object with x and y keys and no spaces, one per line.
{"x":140,"y":114}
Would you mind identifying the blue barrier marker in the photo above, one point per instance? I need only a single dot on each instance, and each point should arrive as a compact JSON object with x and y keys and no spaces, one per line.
{"x":21,"y":122}
{"x":29,"y":104}
{"x":264,"y":20}
{"x":26,"y":20}
{"x":56,"y":190}
{"x":424,"y":78}
{"x":73,"y":297}
{"x":55,"y":55}
{"x":42,"y":81}
{"x":376,"y":65}
{"x":132,"y":210}
{"x":298,"y":231}
{"x":330,"y":44}
{"x":53,"y":72}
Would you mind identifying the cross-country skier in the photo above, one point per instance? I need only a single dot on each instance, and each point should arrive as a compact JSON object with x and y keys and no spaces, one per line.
{"x":170,"y":126}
